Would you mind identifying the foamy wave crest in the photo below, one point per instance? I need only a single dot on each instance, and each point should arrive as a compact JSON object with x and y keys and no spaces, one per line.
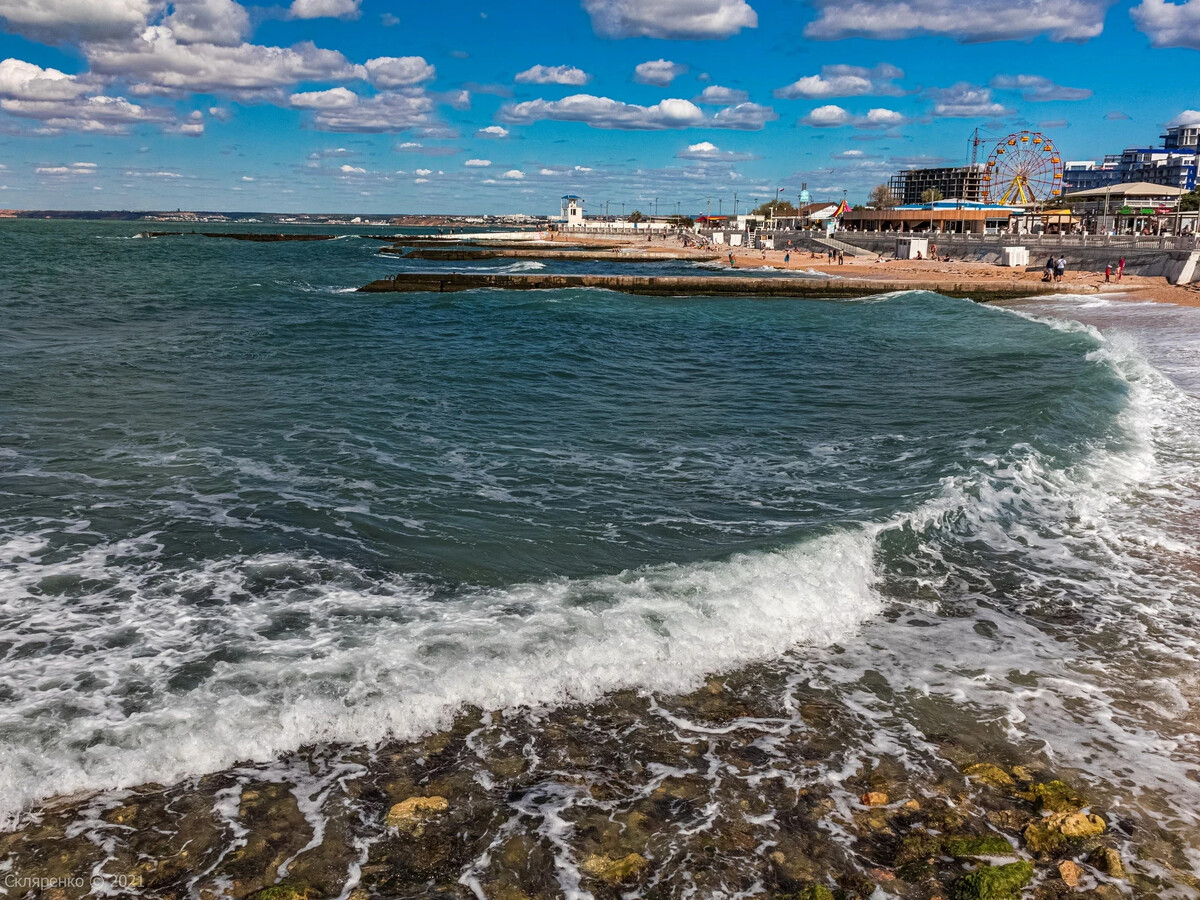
{"x":172,"y":674}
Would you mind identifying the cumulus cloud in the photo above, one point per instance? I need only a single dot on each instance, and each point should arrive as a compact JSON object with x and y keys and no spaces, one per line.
{"x":844,"y":81}
{"x":553,"y":75}
{"x":95,"y":115}
{"x":966,"y":101}
{"x":1187,"y":117}
{"x":383,"y":113}
{"x":833,"y":116}
{"x":347,"y":169}
{"x":743,"y":117}
{"x":673,"y":19}
{"x":707,"y":151}
{"x":1115,"y":116}
{"x":492,"y":131}
{"x":158,"y":59}
{"x":478,"y":163}
{"x":79,"y":168}
{"x":715,"y":95}
{"x":1169,"y":24}
{"x":75,"y":20}
{"x":334,"y":98}
{"x":1038,"y":88}
{"x":660,"y":72}
{"x":963,"y":20}
{"x":326,"y":9}
{"x":603,"y":112}
{"x":513,"y":175}
{"x":25,"y":81}
{"x":222,"y":22}
{"x":332,"y":153}
{"x":390,"y":72}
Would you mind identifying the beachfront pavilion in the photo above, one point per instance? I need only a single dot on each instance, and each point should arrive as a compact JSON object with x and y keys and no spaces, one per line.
{"x":942,"y":217}
{"x":1134,"y":208}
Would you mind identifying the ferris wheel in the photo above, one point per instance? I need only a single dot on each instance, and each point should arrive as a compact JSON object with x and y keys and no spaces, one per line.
{"x":1024,"y":168}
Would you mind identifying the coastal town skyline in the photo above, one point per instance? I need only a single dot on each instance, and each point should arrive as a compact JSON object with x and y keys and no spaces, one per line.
{"x":331,"y":105}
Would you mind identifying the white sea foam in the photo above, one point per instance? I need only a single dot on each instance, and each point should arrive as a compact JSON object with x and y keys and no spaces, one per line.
{"x":156,"y":688}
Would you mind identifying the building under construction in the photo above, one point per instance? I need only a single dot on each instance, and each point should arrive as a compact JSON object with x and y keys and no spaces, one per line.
{"x":950,"y":182}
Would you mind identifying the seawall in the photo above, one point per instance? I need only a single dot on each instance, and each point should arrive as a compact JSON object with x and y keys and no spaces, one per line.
{"x":703,"y":286}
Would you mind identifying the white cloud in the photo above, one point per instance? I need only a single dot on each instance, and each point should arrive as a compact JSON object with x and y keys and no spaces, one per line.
{"x":420,"y":181}
{"x":75,"y":20}
{"x":380,"y":114}
{"x":190,"y":129}
{"x":159,"y":59}
{"x":25,"y":81}
{"x":829,"y":116}
{"x":966,"y":101}
{"x":1038,"y":88}
{"x":708,"y":151}
{"x":554,"y":75}
{"x":326,"y":9}
{"x":1169,"y":24}
{"x":714,"y":95}
{"x":332,"y":153}
{"x":492,"y":131}
{"x":660,"y":72}
{"x":676,"y":19}
{"x":1187,"y":117}
{"x":513,"y":175}
{"x":347,"y":169}
{"x":135,"y":174}
{"x":844,"y":81}
{"x":478,"y":163}
{"x":388,"y":72}
{"x":743,"y":117}
{"x":964,"y":20}
{"x":247,"y":178}
{"x":334,"y":98}
{"x":79,"y":168}
{"x":422,"y":172}
{"x":603,"y":112}
{"x":223,"y":22}
{"x":95,"y":115}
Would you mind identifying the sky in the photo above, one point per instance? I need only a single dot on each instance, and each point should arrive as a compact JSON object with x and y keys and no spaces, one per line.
{"x":494,"y":106}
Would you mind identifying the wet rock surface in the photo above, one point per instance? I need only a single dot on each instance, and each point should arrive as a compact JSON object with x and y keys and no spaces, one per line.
{"x":753,"y":785}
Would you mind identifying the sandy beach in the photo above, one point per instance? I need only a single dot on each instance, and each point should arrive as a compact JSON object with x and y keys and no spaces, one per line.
{"x":1131,"y":287}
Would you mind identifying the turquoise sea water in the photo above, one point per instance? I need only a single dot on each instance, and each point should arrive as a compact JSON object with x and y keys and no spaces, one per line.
{"x":243,"y":508}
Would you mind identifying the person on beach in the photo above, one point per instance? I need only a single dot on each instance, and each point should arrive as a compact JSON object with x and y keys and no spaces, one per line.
{"x":787,"y":258}
{"x":841,"y":258}
{"x":1060,"y":268}
{"x":1120,"y":268}
{"x":1108,"y":273}
{"x":731,"y":265}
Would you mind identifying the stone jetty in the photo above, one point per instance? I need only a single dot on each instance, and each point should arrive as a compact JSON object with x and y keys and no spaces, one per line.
{"x":703,"y":285}
{"x":474,"y":253}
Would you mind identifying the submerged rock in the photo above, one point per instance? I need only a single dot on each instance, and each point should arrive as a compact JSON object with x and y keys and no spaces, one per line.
{"x":969,"y":846}
{"x":1108,"y":861}
{"x":874,"y":798}
{"x":1054,"y":797}
{"x":411,"y":815}
{"x":994,"y":882}
{"x":1070,"y":872}
{"x":1051,"y":834}
{"x":989,"y":774}
{"x":615,"y":871}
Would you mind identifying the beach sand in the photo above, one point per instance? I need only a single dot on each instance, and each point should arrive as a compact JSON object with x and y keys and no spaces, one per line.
{"x":1131,"y":287}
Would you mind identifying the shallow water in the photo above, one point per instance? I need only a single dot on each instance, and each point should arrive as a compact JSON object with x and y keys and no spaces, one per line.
{"x":245,"y":510}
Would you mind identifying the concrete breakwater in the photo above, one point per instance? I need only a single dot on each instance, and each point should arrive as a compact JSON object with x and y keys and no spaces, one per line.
{"x":701,"y":285}
{"x":241,"y":236}
{"x":588,"y":253}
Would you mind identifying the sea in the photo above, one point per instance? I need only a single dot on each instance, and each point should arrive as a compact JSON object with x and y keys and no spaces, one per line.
{"x":245,"y":510}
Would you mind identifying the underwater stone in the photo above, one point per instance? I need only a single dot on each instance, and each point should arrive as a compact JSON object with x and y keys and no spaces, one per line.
{"x":411,"y":815}
{"x":994,"y":882}
{"x":967,"y":846}
{"x":989,"y":774}
{"x":614,"y":871}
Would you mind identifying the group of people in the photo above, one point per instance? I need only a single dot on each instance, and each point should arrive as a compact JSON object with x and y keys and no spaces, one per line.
{"x":1108,"y":270}
{"x":1055,"y":268}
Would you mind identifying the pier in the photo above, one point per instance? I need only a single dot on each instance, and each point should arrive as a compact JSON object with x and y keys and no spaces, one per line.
{"x":704,"y":285}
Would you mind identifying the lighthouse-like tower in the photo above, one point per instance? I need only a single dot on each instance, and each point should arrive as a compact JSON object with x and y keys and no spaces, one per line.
{"x":572,"y":211}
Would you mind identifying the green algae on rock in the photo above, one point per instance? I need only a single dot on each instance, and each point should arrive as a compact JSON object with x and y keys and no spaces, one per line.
{"x":994,"y":882}
{"x":1054,"y":797}
{"x":970,"y":846}
{"x":1053,"y":833}
{"x":989,"y":774}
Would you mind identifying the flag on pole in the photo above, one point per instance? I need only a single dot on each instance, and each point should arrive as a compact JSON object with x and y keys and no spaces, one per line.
{"x":843,"y":208}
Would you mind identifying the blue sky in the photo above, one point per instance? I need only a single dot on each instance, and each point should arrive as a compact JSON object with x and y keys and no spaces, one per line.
{"x":376,"y":106}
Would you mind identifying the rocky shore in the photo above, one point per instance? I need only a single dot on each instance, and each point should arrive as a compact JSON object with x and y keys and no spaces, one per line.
{"x":756,"y":784}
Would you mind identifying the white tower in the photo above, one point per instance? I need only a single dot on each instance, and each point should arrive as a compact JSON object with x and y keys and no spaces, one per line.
{"x":572,"y":211}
